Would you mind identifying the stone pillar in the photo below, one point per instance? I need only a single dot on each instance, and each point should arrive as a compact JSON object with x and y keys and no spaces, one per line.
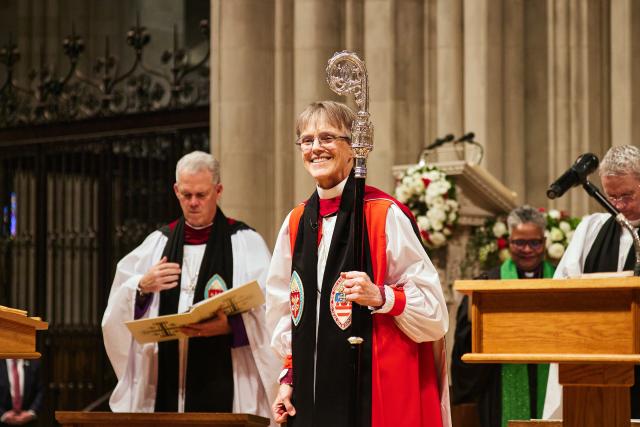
{"x":286,"y":154}
{"x":483,"y":79}
{"x":393,"y":46}
{"x":578,"y":46}
{"x":625,"y":71}
{"x":317,"y":33}
{"x":449,"y":67}
{"x":242,"y":94}
{"x":513,"y":97}
{"x":536,"y":103}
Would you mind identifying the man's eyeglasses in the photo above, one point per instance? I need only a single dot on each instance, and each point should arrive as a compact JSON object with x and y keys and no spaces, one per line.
{"x":624,"y":199}
{"x":305,"y":142}
{"x":534,"y":244}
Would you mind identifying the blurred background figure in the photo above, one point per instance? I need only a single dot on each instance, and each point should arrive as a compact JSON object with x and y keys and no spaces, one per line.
{"x":21,"y":392}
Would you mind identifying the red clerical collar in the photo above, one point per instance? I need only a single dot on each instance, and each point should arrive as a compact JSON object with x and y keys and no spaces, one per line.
{"x":329,"y":206}
{"x":196,"y":236}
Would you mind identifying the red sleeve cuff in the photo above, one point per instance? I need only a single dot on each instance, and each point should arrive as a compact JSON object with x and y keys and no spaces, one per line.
{"x":400,"y":301}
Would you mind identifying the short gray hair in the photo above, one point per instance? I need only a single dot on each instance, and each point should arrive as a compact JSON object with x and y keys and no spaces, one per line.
{"x":525,"y":214}
{"x":621,"y":160}
{"x":337,"y":114}
{"x":198,"y":161}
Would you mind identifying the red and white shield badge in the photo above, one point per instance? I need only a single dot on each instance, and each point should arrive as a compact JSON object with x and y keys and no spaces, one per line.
{"x":296,"y":298}
{"x":339,"y":306}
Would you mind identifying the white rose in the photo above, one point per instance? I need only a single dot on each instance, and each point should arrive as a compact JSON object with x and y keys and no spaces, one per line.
{"x":446,"y":232}
{"x":556,"y":250}
{"x":432,"y":175}
{"x":403,"y":193}
{"x":564,"y":226}
{"x":417,"y":186}
{"x":452,"y":217}
{"x":438,"y":201}
{"x":433,"y":191}
{"x":499,"y":229}
{"x":452,"y":204}
{"x":436,"y":214}
{"x":504,"y":254}
{"x":437,"y":239}
{"x":554,"y":213}
{"x":437,"y":225}
{"x":423,"y":222}
{"x":569,"y":235}
{"x":556,"y":235}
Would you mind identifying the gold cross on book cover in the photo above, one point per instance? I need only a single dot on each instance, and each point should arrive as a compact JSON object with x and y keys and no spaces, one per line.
{"x":236,"y":300}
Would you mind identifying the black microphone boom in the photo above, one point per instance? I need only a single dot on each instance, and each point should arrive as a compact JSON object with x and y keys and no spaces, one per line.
{"x":439,"y":141}
{"x":467,"y":137}
{"x":576,"y":174}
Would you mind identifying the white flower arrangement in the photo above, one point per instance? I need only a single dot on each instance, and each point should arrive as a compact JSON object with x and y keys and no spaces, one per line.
{"x":430,"y":195}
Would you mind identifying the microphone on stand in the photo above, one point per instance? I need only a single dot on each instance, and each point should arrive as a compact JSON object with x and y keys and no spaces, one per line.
{"x":584,"y":165}
{"x":467,"y":137}
{"x":439,"y":141}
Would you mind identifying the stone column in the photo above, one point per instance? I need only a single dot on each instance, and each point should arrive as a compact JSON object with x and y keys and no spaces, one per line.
{"x":242,"y":94}
{"x":317,"y":33}
{"x":536,"y":79}
{"x":286,"y":155}
{"x":393,"y":46}
{"x":577,"y":101}
{"x":449,"y":67}
{"x":513,"y":97}
{"x":625,"y":71}
{"x":483,"y":79}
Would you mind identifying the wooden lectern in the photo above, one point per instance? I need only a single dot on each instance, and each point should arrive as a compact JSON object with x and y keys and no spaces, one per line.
{"x":591,"y":327}
{"x":18,"y":334}
{"x":158,"y":419}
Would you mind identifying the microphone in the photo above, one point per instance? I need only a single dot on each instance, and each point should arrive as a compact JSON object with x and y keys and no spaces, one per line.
{"x":584,"y":165}
{"x":439,"y":141}
{"x":467,"y":137}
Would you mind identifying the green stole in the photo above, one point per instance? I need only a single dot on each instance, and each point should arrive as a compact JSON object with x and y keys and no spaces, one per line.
{"x":516,"y":403}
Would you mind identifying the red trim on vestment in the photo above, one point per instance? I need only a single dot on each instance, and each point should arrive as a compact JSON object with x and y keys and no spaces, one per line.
{"x":288,"y":362}
{"x":294,"y":222}
{"x":404,"y":388}
{"x":404,"y":385}
{"x":399,"y":303}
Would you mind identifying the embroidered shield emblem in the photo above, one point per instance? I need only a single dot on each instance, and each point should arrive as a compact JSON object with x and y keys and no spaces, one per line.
{"x":215,"y":286}
{"x":296,"y":298}
{"x":339,"y":306}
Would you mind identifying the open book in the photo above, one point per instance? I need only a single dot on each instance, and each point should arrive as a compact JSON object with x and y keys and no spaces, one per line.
{"x":165,"y":328}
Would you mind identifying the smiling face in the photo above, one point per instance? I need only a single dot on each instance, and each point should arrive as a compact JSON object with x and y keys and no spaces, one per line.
{"x":198,"y":197}
{"x":329,"y":164}
{"x":526,"y":246}
{"x":622,"y":191}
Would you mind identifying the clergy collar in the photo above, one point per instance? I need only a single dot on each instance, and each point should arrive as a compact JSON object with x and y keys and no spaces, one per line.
{"x":196,"y":235}
{"x":198,"y":228}
{"x":535,"y":274}
{"x":330,"y":193}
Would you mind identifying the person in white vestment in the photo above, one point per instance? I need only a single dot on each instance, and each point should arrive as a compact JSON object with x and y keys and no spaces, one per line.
{"x":229,"y":362}
{"x":599,"y":244}
{"x":313,"y":284}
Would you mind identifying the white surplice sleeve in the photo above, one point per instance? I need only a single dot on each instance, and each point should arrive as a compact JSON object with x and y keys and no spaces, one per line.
{"x":133,"y":363}
{"x":425,"y":317}
{"x":278,"y":311}
{"x":122,"y":298}
{"x":251,"y":258}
